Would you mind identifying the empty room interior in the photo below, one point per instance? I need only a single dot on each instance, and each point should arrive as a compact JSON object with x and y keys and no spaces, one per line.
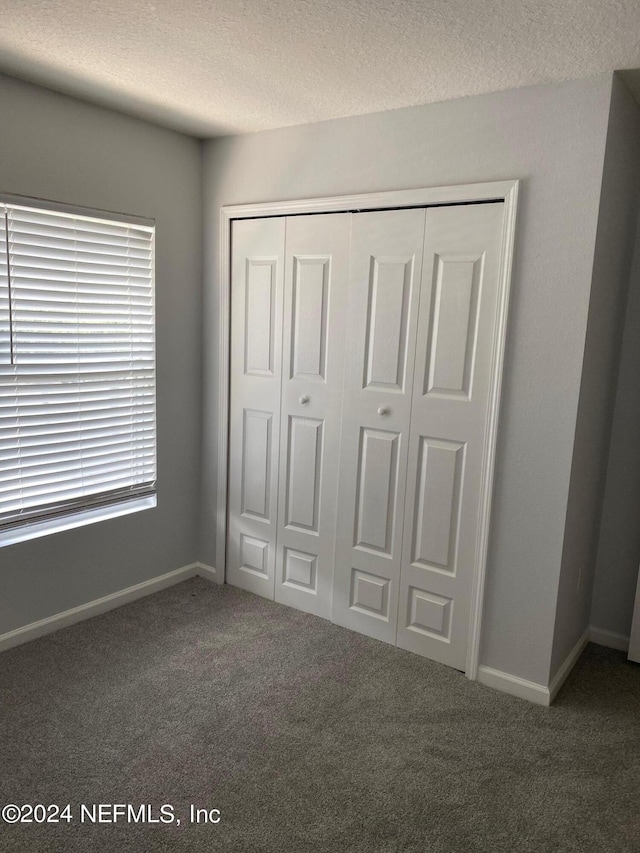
{"x":319,"y":426}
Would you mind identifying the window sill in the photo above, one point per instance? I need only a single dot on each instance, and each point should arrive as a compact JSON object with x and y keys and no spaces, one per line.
{"x":76,"y":519}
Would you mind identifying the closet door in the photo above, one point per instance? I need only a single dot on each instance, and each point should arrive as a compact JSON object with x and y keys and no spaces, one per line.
{"x":315,"y":291}
{"x":254,"y":428}
{"x":384,"y":282}
{"x":453,"y":367}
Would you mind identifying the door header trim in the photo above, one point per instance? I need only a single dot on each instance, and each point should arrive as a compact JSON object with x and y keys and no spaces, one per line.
{"x":426,"y":197}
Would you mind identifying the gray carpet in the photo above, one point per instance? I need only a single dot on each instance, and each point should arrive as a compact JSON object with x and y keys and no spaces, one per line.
{"x":307,"y":737}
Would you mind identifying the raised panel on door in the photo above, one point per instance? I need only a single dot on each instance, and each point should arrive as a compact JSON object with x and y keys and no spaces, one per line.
{"x":303,"y":477}
{"x":377,"y":473}
{"x":453,"y":364}
{"x":254,"y":428}
{"x":315,"y":291}
{"x":384,"y":281}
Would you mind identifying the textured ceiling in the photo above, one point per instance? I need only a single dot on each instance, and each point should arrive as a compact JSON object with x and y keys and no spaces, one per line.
{"x":211,"y":67}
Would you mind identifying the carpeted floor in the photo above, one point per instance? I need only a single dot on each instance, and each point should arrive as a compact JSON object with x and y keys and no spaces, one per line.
{"x":307,"y":737}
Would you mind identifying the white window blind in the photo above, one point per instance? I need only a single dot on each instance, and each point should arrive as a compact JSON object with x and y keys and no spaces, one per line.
{"x":77,"y":363}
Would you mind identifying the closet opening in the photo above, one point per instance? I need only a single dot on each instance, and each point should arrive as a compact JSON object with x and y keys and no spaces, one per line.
{"x":362,"y":344}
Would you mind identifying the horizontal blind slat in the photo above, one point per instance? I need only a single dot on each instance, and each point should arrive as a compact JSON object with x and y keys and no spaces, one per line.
{"x":84,"y":475}
{"x":29,"y":246}
{"x":26,"y":447}
{"x":56,"y":462}
{"x":60,"y":221}
{"x":106,"y":391}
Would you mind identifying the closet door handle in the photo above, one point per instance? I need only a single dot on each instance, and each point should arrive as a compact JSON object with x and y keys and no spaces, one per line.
{"x":383,"y":410}
{"x":304,"y":399}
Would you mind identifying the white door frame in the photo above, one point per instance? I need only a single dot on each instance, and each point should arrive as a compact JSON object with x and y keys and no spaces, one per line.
{"x":505,"y":191}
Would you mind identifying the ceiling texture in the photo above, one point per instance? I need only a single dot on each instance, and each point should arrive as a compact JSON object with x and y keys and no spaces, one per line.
{"x":216,"y":67}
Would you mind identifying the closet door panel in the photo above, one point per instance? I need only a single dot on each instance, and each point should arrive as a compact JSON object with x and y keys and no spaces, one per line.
{"x":254,"y":429}
{"x":315,"y":290}
{"x":457,"y":317}
{"x":386,"y":261}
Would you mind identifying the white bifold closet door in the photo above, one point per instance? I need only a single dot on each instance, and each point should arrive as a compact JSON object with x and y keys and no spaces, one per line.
{"x":451,"y":387}
{"x":315,"y":290}
{"x":257,"y":274}
{"x":289,"y":288}
{"x":361,"y":370}
{"x":384,"y":292}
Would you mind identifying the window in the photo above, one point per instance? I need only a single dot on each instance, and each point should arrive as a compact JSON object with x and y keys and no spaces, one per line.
{"x":77,"y":365}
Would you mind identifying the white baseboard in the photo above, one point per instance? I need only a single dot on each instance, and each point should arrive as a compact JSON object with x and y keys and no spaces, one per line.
{"x":609,"y":639}
{"x":519,"y":687}
{"x":94,"y":608}
{"x":208,"y":573}
{"x":570,"y":661}
{"x":531,"y":690}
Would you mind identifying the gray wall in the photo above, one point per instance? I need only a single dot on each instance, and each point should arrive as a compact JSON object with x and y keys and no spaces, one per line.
{"x":619,"y":546}
{"x":612,"y":266}
{"x":55,"y":147}
{"x":553,"y":138}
